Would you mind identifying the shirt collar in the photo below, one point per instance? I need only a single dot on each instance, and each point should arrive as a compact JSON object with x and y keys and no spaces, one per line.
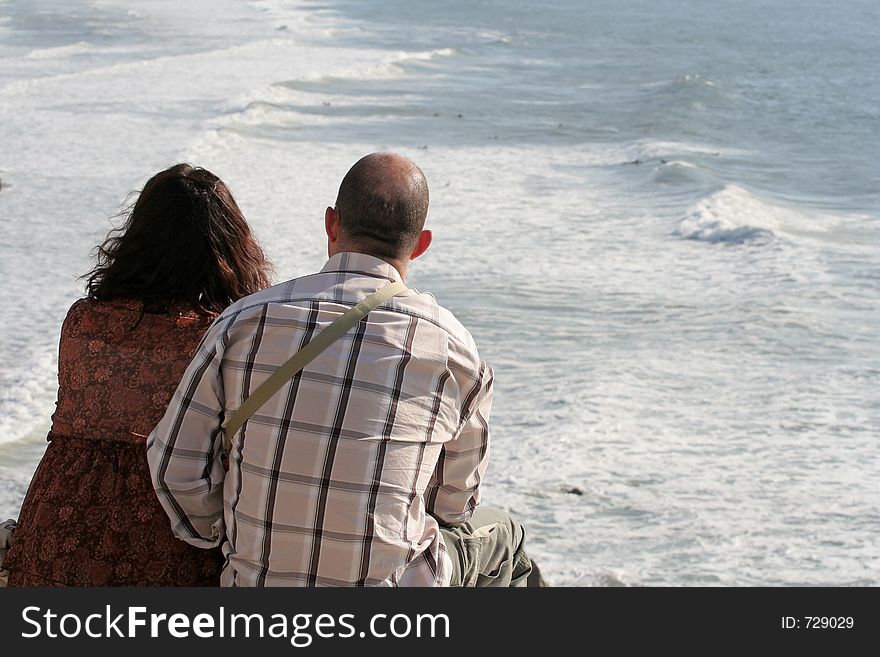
{"x":361,"y":263}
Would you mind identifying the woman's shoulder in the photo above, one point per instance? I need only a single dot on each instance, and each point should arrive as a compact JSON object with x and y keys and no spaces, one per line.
{"x":123,"y":314}
{"x":93,"y":312}
{"x":75,"y":314}
{"x":79,"y":306}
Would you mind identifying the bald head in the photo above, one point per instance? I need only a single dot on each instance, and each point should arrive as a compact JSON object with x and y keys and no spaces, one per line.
{"x":382,"y":205}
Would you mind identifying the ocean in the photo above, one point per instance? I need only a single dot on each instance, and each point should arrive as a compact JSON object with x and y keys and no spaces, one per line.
{"x":660,"y":221}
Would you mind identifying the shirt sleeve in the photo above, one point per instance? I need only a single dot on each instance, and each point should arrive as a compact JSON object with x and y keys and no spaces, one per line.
{"x":454,"y":490}
{"x":184,"y":451}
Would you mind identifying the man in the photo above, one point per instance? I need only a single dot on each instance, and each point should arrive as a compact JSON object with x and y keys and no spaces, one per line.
{"x":365,"y":468}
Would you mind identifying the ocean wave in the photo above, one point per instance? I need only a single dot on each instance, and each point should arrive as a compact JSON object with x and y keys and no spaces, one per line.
{"x":493,"y":37}
{"x":678,"y":171}
{"x":60,"y":52}
{"x":423,"y":55}
{"x":681,"y":164}
{"x":675,"y":150}
{"x":735,"y":215}
{"x":389,"y":67}
{"x":151,"y":62}
{"x":26,"y":396}
{"x":395,"y":63}
{"x":689,"y":80}
{"x":731,"y":216}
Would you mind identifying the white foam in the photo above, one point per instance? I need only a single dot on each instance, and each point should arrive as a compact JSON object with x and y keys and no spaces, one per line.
{"x":689,"y":79}
{"x":424,"y":55}
{"x":389,"y":66}
{"x":61,"y":52}
{"x":275,"y":105}
{"x":668,"y":150}
{"x":26,"y":396}
{"x":734,"y":215}
{"x":495,"y":37}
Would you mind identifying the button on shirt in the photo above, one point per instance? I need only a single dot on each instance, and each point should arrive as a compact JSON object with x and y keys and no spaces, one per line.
{"x":341,"y":477}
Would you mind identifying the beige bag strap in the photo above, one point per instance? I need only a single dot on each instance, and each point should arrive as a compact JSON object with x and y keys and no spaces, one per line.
{"x":305,"y":356}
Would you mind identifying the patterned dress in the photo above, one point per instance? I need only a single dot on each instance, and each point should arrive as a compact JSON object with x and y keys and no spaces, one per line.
{"x":91,"y":517}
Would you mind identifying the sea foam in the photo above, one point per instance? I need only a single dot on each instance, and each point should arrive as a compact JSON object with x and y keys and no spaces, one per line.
{"x":734,"y":215}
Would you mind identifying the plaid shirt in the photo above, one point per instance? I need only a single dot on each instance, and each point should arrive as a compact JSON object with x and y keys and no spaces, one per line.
{"x":341,"y":477}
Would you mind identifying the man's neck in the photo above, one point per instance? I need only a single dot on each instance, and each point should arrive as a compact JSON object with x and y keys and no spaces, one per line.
{"x":401,"y":266}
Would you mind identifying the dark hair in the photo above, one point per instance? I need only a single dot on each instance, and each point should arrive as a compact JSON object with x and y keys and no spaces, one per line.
{"x":382,"y":205}
{"x":184,"y":239}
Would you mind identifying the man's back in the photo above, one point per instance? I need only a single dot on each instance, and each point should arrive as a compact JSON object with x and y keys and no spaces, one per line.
{"x":335,"y":479}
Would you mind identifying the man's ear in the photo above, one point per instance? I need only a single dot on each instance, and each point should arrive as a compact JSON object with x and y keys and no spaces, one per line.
{"x":331,"y":224}
{"x":422,"y":244}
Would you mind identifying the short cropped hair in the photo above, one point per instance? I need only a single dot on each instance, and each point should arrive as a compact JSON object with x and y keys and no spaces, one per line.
{"x":380,"y":212}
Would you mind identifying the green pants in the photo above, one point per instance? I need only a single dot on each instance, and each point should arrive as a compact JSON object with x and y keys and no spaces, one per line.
{"x":487,"y":550}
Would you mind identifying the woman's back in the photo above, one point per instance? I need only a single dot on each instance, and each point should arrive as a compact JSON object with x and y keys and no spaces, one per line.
{"x":100,"y":523}
{"x":91,"y":516}
{"x":118,"y":366}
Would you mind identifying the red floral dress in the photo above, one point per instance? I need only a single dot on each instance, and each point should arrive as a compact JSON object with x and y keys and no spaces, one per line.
{"x":91,"y":517}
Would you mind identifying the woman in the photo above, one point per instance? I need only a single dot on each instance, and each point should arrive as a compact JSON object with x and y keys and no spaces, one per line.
{"x":90,"y":517}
